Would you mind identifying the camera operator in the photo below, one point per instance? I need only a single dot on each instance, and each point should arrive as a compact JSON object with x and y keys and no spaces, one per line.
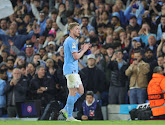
{"x":138,"y":72}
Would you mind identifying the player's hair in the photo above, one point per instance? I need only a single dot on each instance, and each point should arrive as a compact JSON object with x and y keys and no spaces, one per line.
{"x":72,"y":25}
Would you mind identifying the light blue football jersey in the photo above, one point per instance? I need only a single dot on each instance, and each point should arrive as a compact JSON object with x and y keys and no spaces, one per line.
{"x":70,"y":64}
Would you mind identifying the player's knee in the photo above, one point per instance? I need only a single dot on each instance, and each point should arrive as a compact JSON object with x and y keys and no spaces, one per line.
{"x":72,"y":92}
{"x":81,"y":92}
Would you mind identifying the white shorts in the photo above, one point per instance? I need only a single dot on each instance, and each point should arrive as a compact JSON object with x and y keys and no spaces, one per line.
{"x":73,"y":80}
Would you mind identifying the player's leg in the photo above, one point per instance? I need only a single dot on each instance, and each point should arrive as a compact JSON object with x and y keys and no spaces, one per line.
{"x":72,"y":84}
{"x":80,"y":90}
{"x":70,"y":104}
{"x":70,"y":101}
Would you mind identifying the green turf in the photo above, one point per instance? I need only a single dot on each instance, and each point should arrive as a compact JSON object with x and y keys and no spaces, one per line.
{"x":82,"y":123}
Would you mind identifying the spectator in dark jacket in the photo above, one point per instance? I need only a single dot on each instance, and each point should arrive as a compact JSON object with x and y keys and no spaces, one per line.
{"x":42,"y":86}
{"x":117,"y":90}
{"x":133,"y":25}
{"x":91,"y":109}
{"x":93,"y":78}
{"x":148,"y":58}
{"x":16,"y":92}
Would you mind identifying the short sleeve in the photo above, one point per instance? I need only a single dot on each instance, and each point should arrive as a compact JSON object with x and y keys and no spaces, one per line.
{"x":73,"y":46}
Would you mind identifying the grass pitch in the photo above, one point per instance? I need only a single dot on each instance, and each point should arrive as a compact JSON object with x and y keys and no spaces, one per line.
{"x":83,"y":123}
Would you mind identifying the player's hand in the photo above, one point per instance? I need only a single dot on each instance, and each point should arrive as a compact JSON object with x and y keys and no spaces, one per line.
{"x":86,"y":46}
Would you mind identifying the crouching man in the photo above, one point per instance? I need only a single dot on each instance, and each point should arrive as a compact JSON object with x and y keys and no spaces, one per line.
{"x":91,"y":109}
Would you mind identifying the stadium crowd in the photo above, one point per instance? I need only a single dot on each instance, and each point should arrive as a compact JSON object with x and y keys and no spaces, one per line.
{"x":127,"y":38}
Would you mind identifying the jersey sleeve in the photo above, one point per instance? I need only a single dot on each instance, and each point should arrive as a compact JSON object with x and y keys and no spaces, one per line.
{"x":73,"y":47}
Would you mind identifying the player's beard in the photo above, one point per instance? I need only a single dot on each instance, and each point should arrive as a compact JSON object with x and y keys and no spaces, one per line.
{"x":76,"y":34}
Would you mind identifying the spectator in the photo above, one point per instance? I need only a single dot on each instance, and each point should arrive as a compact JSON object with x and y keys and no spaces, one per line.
{"x":152,"y":44}
{"x":136,"y":45}
{"x":48,"y":26}
{"x":3,"y":66}
{"x":154,"y":7}
{"x":36,"y":59}
{"x":135,"y":8}
{"x":117,"y":90}
{"x":3,"y":77}
{"x":93,"y":78}
{"x":20,"y":61}
{"x":29,"y":51}
{"x":138,"y":72}
{"x":109,"y":39}
{"x":144,"y":33}
{"x":42,"y":87}
{"x":41,"y":17}
{"x":51,"y":68}
{"x":16,"y":92}
{"x":161,"y":48}
{"x":51,"y":49}
{"x":91,"y":109}
{"x":10,"y":67}
{"x":133,"y":25}
{"x":161,"y":28}
{"x":50,"y":37}
{"x":30,"y":70}
{"x":156,"y":87}
{"x":160,"y":60}
{"x":148,"y":58}
{"x":117,"y":9}
{"x":85,"y":22}
{"x":4,"y":54}
{"x":3,"y":25}
{"x":115,"y":22}
{"x":18,"y":40}
{"x":42,"y":53}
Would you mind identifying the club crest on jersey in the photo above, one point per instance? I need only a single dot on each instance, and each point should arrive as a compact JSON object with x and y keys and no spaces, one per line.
{"x":73,"y":45}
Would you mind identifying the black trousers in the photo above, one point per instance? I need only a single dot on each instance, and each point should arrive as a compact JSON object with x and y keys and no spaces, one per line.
{"x":11,"y":111}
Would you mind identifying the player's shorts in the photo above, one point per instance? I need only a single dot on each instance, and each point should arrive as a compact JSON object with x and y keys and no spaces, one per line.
{"x":73,"y":80}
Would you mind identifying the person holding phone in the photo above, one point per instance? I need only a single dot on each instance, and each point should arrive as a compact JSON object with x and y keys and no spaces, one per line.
{"x":138,"y":72}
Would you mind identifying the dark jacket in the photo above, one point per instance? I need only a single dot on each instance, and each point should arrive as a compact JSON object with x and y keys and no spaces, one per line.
{"x":19,"y":89}
{"x":47,"y":95}
{"x":93,"y":79}
{"x":95,"y":112}
{"x":137,"y":27}
{"x":118,"y":77}
{"x":154,"y":50}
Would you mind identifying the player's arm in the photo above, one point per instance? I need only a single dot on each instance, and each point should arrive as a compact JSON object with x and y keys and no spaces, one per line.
{"x":78,"y":55}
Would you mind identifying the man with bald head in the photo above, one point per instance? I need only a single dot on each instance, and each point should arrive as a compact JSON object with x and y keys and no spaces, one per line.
{"x":152,"y":44}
